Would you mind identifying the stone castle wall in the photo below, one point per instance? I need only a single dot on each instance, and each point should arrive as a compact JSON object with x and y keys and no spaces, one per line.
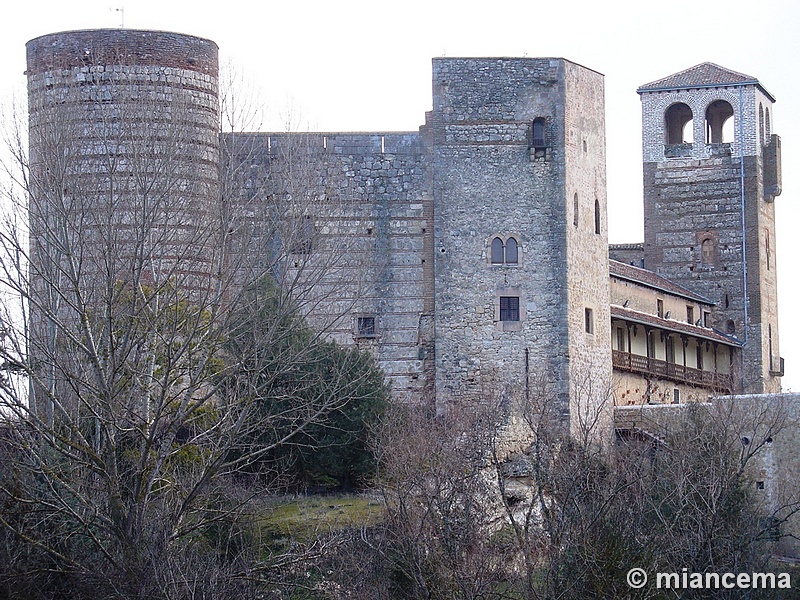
{"x":366,"y":217}
{"x":586,"y":264}
{"x":492,"y":180}
{"x":763,"y":431}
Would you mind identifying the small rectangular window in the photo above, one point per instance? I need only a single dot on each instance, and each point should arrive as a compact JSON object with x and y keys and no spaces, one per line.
{"x":365,"y":327}
{"x":676,"y":396}
{"x":706,"y":319}
{"x":509,"y":308}
{"x":690,"y":315}
{"x":588,"y":314}
{"x":660,"y":308}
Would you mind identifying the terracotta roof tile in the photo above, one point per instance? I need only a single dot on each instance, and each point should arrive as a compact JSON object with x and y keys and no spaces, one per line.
{"x":620,"y":312}
{"x":652,"y":280}
{"x":703,"y":75}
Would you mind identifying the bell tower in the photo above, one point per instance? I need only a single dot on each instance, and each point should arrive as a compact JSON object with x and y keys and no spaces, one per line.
{"x":711,"y":175}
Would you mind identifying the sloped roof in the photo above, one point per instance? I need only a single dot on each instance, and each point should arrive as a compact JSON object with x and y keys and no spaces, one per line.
{"x":634,"y":316}
{"x":703,"y":75}
{"x":652,"y":280}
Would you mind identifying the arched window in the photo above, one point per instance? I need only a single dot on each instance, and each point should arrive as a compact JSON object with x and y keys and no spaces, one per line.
{"x":504,"y":251}
{"x":678,"y":121}
{"x":717,"y":113}
{"x":537,"y":133}
{"x":730,"y":327}
{"x":497,"y":251}
{"x":761,"y":131}
{"x":512,"y":254}
{"x":597,"y":217}
{"x":707,"y":251}
{"x":575,"y":210}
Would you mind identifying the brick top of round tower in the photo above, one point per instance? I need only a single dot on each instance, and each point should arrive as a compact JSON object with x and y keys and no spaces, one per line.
{"x":128,"y":47}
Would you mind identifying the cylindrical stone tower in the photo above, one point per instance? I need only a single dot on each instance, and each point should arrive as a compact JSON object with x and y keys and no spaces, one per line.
{"x":123,"y":150}
{"x":123,"y":194}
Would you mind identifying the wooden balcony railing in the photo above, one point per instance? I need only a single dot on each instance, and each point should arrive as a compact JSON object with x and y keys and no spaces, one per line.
{"x":719,"y":382}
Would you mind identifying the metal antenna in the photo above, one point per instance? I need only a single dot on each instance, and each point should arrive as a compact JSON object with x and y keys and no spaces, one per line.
{"x":121,"y":12}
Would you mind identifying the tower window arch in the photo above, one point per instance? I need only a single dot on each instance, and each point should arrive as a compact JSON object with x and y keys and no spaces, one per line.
{"x":707,"y":251}
{"x":767,"y":129}
{"x":678,"y":121}
{"x":717,"y":115}
{"x":497,"y":251}
{"x":504,"y":250}
{"x":512,"y":251}
{"x":597,"y":216}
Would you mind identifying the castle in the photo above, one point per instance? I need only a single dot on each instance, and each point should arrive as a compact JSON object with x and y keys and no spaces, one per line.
{"x":473,"y":253}
{"x":481,"y":238}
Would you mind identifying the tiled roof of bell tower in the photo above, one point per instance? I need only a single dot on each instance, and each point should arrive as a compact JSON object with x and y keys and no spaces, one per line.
{"x":703,"y":75}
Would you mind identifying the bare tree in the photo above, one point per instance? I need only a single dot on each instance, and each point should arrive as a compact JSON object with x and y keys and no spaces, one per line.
{"x":471,"y":516}
{"x":126,"y":267}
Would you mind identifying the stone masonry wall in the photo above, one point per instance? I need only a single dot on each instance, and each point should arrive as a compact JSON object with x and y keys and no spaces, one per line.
{"x":491,"y":181}
{"x":486,"y":185}
{"x":131,"y":47}
{"x":586,"y":265}
{"x":369,"y":238}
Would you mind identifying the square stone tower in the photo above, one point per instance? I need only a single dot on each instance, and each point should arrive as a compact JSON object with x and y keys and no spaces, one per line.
{"x":521,"y":267}
{"x":711,"y":174}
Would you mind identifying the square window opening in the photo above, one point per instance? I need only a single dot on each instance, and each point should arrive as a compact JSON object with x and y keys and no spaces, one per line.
{"x":365,"y":327}
{"x":509,"y":308}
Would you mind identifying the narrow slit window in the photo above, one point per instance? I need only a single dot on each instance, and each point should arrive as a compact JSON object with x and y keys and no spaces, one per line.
{"x":575,"y":210}
{"x":767,"y":250}
{"x":538,"y":137}
{"x":597,"y":217}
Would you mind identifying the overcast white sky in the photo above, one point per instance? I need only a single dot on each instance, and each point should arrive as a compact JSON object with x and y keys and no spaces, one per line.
{"x":366,"y":66}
